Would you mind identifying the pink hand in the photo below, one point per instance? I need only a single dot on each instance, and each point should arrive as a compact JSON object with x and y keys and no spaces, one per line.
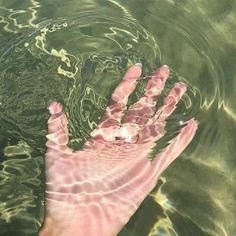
{"x":96,"y":190}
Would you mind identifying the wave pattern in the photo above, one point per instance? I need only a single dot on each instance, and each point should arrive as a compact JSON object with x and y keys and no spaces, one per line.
{"x":76,"y":54}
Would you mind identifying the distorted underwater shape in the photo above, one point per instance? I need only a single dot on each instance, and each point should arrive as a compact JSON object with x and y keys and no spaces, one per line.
{"x":97,"y":189}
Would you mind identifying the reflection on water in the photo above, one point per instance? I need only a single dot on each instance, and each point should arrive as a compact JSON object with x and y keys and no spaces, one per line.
{"x":76,"y":54}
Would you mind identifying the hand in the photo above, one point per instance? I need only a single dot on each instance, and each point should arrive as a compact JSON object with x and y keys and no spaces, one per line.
{"x":94,"y":191}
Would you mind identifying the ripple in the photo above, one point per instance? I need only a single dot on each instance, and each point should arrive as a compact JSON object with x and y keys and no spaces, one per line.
{"x":86,"y":53}
{"x":81,"y":58}
{"x":78,"y":59}
{"x":75,"y":61}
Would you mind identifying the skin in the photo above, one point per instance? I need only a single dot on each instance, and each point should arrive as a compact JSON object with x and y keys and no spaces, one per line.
{"x":95,"y":191}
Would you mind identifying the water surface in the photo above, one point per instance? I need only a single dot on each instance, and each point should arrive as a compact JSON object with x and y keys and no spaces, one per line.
{"x":76,"y":52}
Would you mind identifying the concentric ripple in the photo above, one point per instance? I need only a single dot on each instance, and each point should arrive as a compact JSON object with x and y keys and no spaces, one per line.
{"x":76,"y":53}
{"x":78,"y":61}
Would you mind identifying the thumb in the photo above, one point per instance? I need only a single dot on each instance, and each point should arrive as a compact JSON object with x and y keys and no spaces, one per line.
{"x":57,"y":127}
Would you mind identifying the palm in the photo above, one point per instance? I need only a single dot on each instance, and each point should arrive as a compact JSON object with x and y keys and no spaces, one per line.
{"x":95,"y":191}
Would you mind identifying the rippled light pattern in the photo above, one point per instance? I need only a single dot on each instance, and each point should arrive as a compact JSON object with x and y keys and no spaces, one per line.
{"x":97,"y":189}
{"x":75,"y":52}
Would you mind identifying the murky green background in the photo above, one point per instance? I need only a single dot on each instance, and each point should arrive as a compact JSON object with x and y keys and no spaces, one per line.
{"x":75,"y":52}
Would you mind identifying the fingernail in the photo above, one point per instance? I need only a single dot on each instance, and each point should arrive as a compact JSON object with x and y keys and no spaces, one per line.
{"x":165,"y":69}
{"x":139,"y":64}
{"x":182,"y":83}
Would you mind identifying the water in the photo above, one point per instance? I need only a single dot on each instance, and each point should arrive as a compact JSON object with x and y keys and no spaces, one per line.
{"x":75,"y":52}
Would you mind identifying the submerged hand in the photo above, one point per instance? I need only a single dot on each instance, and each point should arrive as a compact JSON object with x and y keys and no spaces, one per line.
{"x":94,"y":191}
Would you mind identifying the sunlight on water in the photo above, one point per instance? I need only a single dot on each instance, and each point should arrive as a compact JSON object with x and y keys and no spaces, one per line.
{"x":76,"y":54}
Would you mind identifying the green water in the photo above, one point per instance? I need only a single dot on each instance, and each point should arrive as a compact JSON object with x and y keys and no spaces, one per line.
{"x":76,"y":52}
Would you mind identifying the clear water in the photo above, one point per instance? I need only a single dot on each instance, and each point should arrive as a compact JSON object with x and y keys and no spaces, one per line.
{"x":75,"y":52}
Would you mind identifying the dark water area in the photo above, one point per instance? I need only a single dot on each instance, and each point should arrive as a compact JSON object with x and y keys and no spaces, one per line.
{"x":76,"y":52}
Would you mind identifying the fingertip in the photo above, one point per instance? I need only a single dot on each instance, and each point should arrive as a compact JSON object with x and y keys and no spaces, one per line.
{"x":191,"y":125}
{"x":164,"y":70}
{"x":55,"y":108}
{"x":181,"y":86}
{"x":134,"y":71}
{"x":194,"y":123}
{"x":162,"y":73}
{"x":138,"y":69}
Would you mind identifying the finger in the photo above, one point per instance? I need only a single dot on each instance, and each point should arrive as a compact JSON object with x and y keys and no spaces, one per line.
{"x":175,"y":148}
{"x":171,"y":101}
{"x":57,"y":127}
{"x":127,"y":85}
{"x":144,"y":108}
{"x":151,"y":133}
{"x":117,"y":104}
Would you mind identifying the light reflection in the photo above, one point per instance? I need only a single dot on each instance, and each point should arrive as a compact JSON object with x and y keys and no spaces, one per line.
{"x":85,"y":93}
